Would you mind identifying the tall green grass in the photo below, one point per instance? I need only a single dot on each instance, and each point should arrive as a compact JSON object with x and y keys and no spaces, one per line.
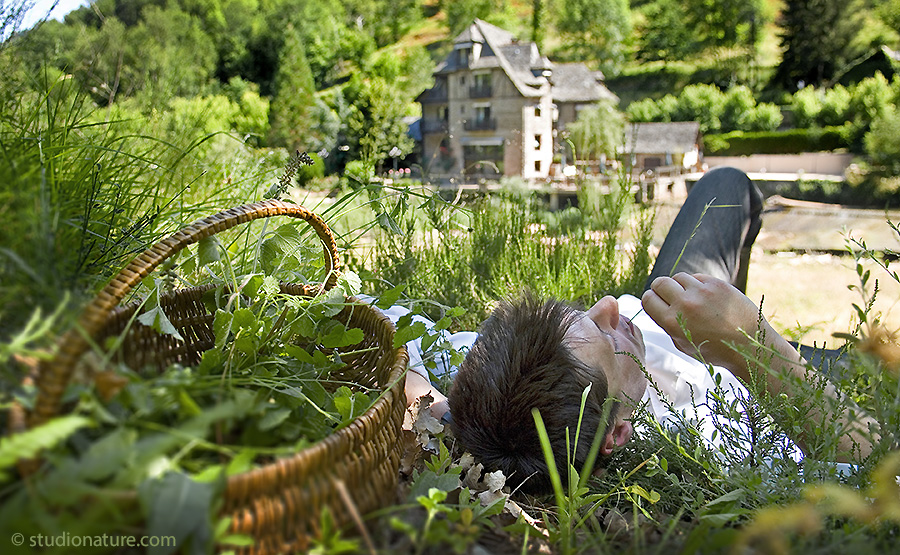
{"x":82,"y":192}
{"x":472,"y":253}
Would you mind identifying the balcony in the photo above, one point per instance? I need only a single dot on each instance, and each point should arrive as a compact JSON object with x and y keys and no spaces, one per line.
{"x":432,"y":125}
{"x":480,"y":91}
{"x":487,"y":124}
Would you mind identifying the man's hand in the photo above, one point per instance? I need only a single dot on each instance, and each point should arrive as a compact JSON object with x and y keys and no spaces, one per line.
{"x":717,"y":314}
{"x":714,"y":312}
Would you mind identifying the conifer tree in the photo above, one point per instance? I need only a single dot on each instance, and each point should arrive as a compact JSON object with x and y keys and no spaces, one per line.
{"x":290,"y":114}
{"x":816,"y":38}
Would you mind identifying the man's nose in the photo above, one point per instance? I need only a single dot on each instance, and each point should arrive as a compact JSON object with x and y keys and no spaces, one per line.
{"x":605,"y":313}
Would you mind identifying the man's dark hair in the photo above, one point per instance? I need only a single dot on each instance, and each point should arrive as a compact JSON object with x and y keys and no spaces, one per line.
{"x":521,"y":362}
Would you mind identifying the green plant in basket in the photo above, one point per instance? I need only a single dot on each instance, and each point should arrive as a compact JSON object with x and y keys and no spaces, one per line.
{"x":152,"y":447}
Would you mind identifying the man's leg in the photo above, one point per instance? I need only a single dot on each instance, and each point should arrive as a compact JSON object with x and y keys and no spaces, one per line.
{"x":714,"y":230}
{"x":713,"y":233}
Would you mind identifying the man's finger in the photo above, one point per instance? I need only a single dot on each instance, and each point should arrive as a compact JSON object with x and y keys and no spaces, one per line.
{"x":654,"y":305}
{"x":704,"y":278}
{"x":686,"y":280}
{"x":667,"y":289}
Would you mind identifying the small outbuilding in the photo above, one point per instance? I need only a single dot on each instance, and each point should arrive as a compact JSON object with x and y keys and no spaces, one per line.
{"x":674,"y":146}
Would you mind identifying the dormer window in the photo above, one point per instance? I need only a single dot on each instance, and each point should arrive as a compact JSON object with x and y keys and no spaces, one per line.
{"x":463,"y":56}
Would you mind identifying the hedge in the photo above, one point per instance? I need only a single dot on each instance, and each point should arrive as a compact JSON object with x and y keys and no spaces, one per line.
{"x":790,"y":141}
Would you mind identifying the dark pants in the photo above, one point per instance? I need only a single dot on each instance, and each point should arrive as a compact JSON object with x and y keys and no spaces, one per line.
{"x":713,"y":233}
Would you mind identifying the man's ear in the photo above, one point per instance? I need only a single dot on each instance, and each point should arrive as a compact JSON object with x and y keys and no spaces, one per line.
{"x":616,"y":437}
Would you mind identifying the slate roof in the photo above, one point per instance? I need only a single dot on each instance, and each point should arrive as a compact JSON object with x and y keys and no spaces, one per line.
{"x":668,"y":137}
{"x":576,"y":83}
{"x":526,"y":67}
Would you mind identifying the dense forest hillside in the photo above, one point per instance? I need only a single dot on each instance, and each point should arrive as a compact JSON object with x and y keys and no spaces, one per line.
{"x":366,"y":60}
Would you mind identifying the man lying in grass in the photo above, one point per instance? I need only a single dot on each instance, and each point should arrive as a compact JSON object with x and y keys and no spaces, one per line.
{"x":542,"y":354}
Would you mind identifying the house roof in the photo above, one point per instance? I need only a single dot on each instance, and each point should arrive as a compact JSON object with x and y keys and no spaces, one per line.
{"x":576,"y":83}
{"x":526,"y":67}
{"x":667,"y":137}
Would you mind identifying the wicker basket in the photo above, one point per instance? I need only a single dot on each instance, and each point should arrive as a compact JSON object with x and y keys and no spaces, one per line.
{"x":278,"y":504}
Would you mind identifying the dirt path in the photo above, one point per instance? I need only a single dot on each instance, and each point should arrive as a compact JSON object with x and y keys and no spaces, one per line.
{"x":806,"y":291}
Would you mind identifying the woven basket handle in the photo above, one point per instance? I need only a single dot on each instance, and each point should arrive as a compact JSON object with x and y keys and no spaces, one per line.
{"x":54,"y":374}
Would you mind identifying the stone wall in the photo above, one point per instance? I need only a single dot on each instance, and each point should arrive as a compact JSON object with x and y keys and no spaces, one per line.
{"x":824,"y":163}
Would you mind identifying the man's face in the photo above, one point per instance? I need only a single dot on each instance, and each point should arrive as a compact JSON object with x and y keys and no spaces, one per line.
{"x":605,"y":341}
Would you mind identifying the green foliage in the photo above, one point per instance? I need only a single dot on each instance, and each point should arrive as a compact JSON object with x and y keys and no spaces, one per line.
{"x":374,"y":123}
{"x":598,"y":130}
{"x":595,"y":29}
{"x":503,"y":243}
{"x":461,"y":13}
{"x":28,"y":444}
{"x":789,"y":141}
{"x":666,"y":33}
{"x":290,"y":114}
{"x":882,"y":142}
{"x":734,"y":110}
{"x":165,"y":53}
{"x":816,"y":38}
{"x":675,"y":30}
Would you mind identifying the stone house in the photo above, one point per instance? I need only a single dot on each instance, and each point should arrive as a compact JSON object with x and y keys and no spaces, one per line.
{"x":674,"y":145}
{"x":496,"y":106}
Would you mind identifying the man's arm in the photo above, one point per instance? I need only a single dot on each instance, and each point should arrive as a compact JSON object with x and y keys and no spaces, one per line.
{"x":717,"y":315}
{"x":418,"y":386}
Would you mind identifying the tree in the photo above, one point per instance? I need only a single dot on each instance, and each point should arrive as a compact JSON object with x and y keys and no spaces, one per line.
{"x":537,"y":22}
{"x":177,"y":58}
{"x":676,"y":29}
{"x":461,"y":13}
{"x":597,"y":131}
{"x":726,"y":23}
{"x":666,"y":34}
{"x":291,"y":109}
{"x":386,"y":21}
{"x":816,"y":40}
{"x":597,"y":29}
{"x":375,"y":125}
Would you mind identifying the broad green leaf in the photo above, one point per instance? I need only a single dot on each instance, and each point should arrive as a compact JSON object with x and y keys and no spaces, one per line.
{"x":350,"y":404}
{"x":350,"y":283}
{"x":273,"y":418}
{"x":388,"y":223}
{"x":176,"y":505}
{"x":390,"y":297}
{"x":428,"y":480}
{"x":252,"y":285}
{"x":222,"y":326}
{"x":155,"y":318}
{"x":107,"y":455}
{"x":242,"y":462}
{"x":409,"y":333}
{"x":339,"y":336}
{"x":208,"y":250}
{"x":299,"y":353}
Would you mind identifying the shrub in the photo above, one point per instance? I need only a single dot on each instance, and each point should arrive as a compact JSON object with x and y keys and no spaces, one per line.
{"x":791,"y":141}
{"x":807,"y":106}
{"x":882,"y":142}
{"x":869,"y":100}
{"x":737,"y":108}
{"x":835,"y":106}
{"x":703,"y":103}
{"x":764,"y":117}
